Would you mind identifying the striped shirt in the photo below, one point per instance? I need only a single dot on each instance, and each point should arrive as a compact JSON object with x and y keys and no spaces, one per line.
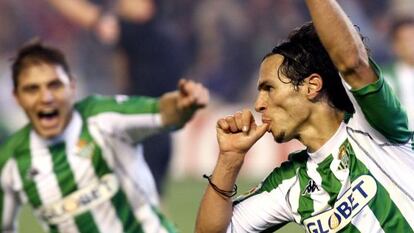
{"x":358,"y":181}
{"x":90,"y":179}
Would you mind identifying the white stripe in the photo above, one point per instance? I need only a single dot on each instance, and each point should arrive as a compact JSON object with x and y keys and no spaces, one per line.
{"x":270,"y":208}
{"x":137,"y":126}
{"x":294,"y":196}
{"x":10,"y":202}
{"x":366,"y":222}
{"x":106,"y":218}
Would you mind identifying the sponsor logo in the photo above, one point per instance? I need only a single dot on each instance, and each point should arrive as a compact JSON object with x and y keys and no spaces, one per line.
{"x":310,"y":188}
{"x":80,"y":201}
{"x":362,"y":190}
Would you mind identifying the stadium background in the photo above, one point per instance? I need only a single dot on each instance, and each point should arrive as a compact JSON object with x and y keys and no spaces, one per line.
{"x":224,"y":41}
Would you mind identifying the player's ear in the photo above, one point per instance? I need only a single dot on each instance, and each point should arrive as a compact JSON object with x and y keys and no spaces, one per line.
{"x":314,"y":84}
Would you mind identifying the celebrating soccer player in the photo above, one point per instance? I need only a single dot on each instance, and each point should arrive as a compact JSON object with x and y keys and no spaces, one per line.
{"x":76,"y":164}
{"x":321,"y":87}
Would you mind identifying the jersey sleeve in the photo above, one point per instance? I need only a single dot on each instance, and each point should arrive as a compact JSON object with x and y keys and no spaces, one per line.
{"x":377,"y":107}
{"x":265,"y":208}
{"x":9,"y":203}
{"x":134,"y":116}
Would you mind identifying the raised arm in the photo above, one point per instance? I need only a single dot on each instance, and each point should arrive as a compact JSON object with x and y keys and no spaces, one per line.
{"x":342,"y":42}
{"x":81,"y":12}
{"x":178,"y":107}
{"x":235,"y":135}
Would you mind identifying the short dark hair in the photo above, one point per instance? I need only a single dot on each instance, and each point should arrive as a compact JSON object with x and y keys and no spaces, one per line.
{"x":35,"y":53}
{"x":400,"y":22}
{"x":304,"y":55}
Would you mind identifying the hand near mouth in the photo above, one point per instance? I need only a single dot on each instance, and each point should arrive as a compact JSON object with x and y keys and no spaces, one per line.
{"x":237,"y":133}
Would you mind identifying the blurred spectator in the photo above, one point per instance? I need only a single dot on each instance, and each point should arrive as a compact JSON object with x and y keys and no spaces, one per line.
{"x":401,"y":72}
{"x":223,"y":60}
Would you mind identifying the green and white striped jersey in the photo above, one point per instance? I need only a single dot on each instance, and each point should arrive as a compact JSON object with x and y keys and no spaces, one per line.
{"x":358,"y":181}
{"x":93,"y":177}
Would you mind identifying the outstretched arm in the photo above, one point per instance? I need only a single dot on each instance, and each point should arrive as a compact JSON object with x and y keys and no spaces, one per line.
{"x":235,"y":135}
{"x":178,"y":107}
{"x":342,"y":42}
{"x":81,"y":12}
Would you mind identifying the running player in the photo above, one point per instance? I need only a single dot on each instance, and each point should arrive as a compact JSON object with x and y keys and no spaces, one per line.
{"x":76,"y":164}
{"x":321,"y":88}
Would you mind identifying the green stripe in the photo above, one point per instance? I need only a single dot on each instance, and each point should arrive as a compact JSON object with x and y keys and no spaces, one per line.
{"x":164,"y":221}
{"x":385,"y":210}
{"x":286,"y":171}
{"x":53,"y":229}
{"x":24,"y":161}
{"x":306,"y":207}
{"x":62,"y":169}
{"x":329,"y":181}
{"x":126,"y":214}
{"x":86,"y":223}
{"x":123,"y":209}
{"x":94,"y":105}
{"x":18,"y":146}
{"x":67,"y":185}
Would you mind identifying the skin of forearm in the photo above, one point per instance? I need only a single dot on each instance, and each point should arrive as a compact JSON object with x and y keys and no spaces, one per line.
{"x":80,"y":12}
{"x":337,"y":34}
{"x":216,"y":210}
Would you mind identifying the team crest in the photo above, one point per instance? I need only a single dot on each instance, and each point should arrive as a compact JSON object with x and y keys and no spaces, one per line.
{"x":343,"y":156}
{"x":85,"y":149}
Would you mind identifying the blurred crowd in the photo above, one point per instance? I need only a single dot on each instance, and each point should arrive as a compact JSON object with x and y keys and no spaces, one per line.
{"x":217,"y":42}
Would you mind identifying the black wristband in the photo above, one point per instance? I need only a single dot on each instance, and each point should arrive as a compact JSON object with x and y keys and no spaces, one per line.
{"x":221,"y":191}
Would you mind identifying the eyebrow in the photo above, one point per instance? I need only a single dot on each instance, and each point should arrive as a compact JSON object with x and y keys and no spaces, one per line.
{"x":262,"y":85}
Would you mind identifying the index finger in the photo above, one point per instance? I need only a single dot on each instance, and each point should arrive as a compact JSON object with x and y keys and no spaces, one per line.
{"x":247,"y":118}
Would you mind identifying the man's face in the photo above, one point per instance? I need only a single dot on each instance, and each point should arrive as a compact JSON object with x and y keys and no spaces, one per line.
{"x":46,"y":94}
{"x":403,"y":44}
{"x":282,"y":107}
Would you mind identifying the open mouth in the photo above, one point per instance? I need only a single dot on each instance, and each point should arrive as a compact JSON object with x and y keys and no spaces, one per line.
{"x":48,"y":114}
{"x":48,"y":118}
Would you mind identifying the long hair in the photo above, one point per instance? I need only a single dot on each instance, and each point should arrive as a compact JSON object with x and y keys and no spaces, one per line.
{"x":304,"y":55}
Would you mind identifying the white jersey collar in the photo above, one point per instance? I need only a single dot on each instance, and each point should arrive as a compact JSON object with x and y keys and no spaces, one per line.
{"x":330,"y":146}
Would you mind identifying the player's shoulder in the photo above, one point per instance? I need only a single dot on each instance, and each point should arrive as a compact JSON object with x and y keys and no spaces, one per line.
{"x":14,"y":143}
{"x":286,"y":170}
{"x":92,"y":105}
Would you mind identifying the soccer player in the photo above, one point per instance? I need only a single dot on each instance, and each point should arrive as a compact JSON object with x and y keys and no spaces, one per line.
{"x":76,"y":163}
{"x":319,"y":87}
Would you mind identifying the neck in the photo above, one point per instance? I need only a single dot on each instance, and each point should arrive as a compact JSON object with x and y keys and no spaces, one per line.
{"x":320,"y":127}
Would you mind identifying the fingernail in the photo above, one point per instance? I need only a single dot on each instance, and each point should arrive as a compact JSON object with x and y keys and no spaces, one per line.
{"x":244,"y":128}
